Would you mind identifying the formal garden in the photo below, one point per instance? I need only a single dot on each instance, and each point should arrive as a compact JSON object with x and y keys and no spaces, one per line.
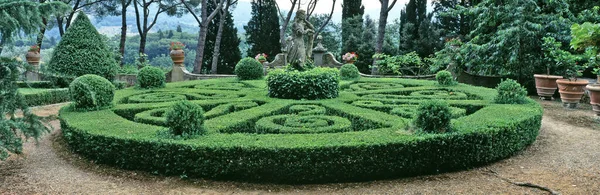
{"x":302,"y":115}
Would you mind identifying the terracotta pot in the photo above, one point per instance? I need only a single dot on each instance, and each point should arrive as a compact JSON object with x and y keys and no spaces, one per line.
{"x":571,"y":91}
{"x":594,"y":90}
{"x":546,"y":85}
{"x":350,"y":61}
{"x":262,"y":61}
{"x":178,"y":56}
{"x":33,"y":57}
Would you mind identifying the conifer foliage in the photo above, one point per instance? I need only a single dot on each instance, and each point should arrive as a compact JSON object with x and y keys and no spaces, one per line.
{"x":81,"y":51}
{"x":262,"y":31}
{"x":12,"y":128}
{"x":229,"y":53}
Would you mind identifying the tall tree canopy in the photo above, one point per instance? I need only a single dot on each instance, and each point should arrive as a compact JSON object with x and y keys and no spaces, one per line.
{"x":228,"y":44}
{"x":25,"y":16}
{"x":262,"y":31}
{"x":351,"y":9}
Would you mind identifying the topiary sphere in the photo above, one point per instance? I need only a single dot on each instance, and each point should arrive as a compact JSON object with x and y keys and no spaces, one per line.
{"x":151,"y":77}
{"x":444,"y":78}
{"x":510,"y":92}
{"x":186,"y":118}
{"x":249,"y":69}
{"x":82,"y":50}
{"x":91,"y":92}
{"x":433,"y":116}
{"x":349,"y":72}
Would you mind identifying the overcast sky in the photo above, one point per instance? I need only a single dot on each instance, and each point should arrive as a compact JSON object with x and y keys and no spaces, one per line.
{"x":372,"y":7}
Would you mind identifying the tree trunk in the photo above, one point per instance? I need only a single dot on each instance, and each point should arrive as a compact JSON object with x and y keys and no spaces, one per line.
{"x":61,"y":29}
{"x":200,"y":51}
{"x":142,"y":46}
{"x":124,"y":5}
{"x":383,"y":15}
{"x":217,"y":49}
{"x":40,"y":38}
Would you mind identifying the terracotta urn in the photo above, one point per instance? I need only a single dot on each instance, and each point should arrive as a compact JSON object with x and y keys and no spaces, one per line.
{"x":571,"y":91}
{"x":33,"y":57}
{"x":546,"y":85}
{"x":350,"y":62}
{"x":594,"y":90}
{"x":262,"y":61}
{"x":178,"y":56}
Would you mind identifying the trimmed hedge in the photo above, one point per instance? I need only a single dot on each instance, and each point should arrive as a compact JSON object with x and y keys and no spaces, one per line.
{"x":377,"y":145}
{"x":349,"y":72}
{"x":46,"y":97}
{"x":317,"y":83}
{"x":151,"y":77}
{"x":82,"y":50}
{"x":249,"y":69}
{"x":91,"y":92}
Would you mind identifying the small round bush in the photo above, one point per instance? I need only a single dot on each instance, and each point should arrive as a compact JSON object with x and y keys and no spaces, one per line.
{"x":349,"y":72}
{"x":186,"y":118}
{"x":510,"y":92}
{"x":91,"y":92}
{"x":445,"y":78}
{"x":151,"y":77}
{"x":433,"y":116}
{"x":249,"y":69}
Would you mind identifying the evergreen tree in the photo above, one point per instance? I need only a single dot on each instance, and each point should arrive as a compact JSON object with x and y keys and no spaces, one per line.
{"x":353,"y":27}
{"x":12,"y":128}
{"x":262,"y":31}
{"x":179,"y":29}
{"x":170,"y":35}
{"x":351,"y":9}
{"x":229,"y":54}
{"x":25,"y":16}
{"x":366,"y":49}
{"x":417,"y":33}
{"x":160,"y":35}
{"x":82,"y":50}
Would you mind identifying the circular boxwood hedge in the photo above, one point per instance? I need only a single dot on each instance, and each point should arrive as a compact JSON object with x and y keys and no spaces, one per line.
{"x":363,"y":134}
{"x":91,"y":92}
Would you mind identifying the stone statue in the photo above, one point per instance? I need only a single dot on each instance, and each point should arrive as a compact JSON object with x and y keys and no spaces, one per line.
{"x":298,"y":52}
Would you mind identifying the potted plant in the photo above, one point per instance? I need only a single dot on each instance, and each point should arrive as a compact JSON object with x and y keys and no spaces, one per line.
{"x":571,"y":89}
{"x":587,"y":36}
{"x":261,"y":57}
{"x":177,"y":53}
{"x":350,"y":57}
{"x":33,"y":55}
{"x":546,"y":83}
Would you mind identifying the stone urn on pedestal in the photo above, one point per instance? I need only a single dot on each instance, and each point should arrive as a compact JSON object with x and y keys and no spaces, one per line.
{"x":177,"y":53}
{"x":33,"y":56}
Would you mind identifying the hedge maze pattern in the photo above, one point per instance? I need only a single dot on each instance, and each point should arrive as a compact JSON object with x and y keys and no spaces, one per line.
{"x":363,"y":134}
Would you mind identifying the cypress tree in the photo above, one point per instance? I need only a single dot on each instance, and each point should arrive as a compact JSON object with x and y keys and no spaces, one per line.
{"x":351,"y":27}
{"x":82,"y":50}
{"x":417,"y":32}
{"x":262,"y":31}
{"x":230,"y":53}
{"x":366,"y":49}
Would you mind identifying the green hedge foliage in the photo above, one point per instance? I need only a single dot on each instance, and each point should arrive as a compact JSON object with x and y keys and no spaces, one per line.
{"x":249,"y":69}
{"x":256,"y":138}
{"x":91,"y":92}
{"x":317,"y":83}
{"x":82,"y":50}
{"x":444,"y":77}
{"x":511,"y":92}
{"x":151,"y":77}
{"x":185,"y":119}
{"x":46,"y":97}
{"x":433,"y":116}
{"x":349,"y":72}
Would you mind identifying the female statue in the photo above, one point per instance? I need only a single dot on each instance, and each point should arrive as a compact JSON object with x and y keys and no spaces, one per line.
{"x":298,"y":51}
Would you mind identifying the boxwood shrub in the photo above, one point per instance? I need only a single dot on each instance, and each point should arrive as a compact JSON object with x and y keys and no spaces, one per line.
{"x":249,"y":69}
{"x":272,"y":142}
{"x":318,"y":83}
{"x":151,"y":77}
{"x":91,"y":92}
{"x":349,"y":72}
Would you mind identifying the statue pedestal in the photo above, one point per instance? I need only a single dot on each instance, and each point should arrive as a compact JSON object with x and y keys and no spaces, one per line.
{"x":34,"y":74}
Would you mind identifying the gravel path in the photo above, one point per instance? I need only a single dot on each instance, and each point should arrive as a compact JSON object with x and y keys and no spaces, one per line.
{"x":565,"y":158}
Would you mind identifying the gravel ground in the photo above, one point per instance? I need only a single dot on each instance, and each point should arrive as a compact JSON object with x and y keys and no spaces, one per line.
{"x":565,"y":158}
